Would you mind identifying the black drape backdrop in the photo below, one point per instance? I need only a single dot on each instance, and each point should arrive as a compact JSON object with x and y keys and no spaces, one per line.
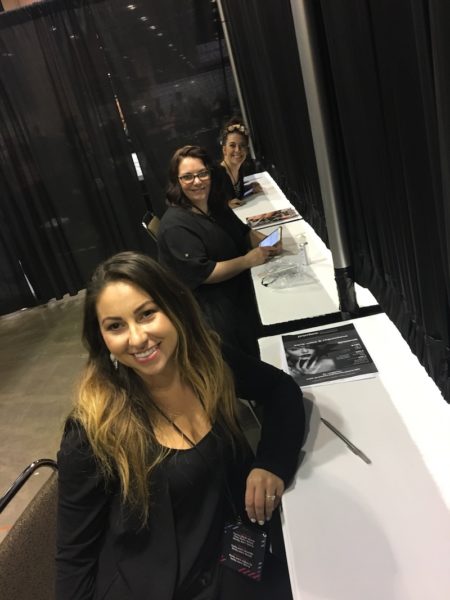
{"x":386,"y":69}
{"x":70,"y":194}
{"x":265,"y":49}
{"x":172,"y":78}
{"x":83,"y":85}
{"x":389,"y":64}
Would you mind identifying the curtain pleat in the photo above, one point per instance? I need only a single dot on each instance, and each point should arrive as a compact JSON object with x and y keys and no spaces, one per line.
{"x":388,"y":65}
{"x":84,"y":86}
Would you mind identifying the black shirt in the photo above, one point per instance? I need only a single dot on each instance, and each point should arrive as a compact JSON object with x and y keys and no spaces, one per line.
{"x":97,"y":533}
{"x":196,"y":488}
{"x":230,"y":190}
{"x":190,"y":244}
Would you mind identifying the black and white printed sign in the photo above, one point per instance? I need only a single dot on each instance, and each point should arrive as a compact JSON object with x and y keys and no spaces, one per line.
{"x":325,"y":356}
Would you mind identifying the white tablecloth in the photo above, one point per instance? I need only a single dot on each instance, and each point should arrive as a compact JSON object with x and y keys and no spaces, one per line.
{"x":318,"y":296}
{"x":372,"y":532}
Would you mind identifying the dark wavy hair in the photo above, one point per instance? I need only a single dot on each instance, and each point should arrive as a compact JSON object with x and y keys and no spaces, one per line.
{"x":175,"y":194}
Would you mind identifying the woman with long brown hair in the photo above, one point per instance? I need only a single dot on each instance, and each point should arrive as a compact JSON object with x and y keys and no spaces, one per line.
{"x":152,"y":461}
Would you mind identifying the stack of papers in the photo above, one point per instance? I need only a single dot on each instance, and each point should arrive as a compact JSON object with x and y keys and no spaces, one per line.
{"x":273,"y":218}
{"x":326,"y":356}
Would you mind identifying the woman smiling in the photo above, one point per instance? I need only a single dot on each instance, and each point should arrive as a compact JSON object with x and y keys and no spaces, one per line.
{"x":235,"y":142}
{"x":152,"y":464}
{"x":205,"y":244}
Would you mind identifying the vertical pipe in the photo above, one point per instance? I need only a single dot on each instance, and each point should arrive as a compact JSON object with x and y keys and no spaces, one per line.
{"x":235,"y":75}
{"x":323,"y":148}
{"x":314,"y":97}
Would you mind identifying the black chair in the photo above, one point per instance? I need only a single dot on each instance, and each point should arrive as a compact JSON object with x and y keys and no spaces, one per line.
{"x":151,"y":224}
{"x":27,"y":554}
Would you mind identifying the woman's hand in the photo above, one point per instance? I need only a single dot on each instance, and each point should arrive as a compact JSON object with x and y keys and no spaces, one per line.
{"x":259,"y":255}
{"x":277,"y":248}
{"x":234,"y":203}
{"x":226,"y":269}
{"x":256,"y":237}
{"x":262,"y":495}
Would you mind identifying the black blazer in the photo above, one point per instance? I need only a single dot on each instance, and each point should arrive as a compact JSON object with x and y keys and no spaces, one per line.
{"x":102,"y":553}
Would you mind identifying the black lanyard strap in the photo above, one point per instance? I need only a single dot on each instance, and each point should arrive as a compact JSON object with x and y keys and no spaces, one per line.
{"x":195,"y":447}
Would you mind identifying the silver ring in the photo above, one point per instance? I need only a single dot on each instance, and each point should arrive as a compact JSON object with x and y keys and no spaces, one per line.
{"x":268,"y":497}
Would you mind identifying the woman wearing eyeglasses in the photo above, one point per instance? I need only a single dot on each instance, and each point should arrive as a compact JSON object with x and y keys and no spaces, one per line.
{"x":205,"y":244}
{"x":234,"y":141}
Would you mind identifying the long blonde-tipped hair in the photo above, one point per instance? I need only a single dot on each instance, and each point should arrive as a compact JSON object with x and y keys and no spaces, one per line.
{"x":114,"y":407}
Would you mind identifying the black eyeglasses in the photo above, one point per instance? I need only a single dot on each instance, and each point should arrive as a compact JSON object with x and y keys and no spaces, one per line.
{"x":190,"y":177}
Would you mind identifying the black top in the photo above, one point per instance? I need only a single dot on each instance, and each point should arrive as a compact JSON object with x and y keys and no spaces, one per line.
{"x":190,"y":244}
{"x":225,"y":183}
{"x":196,"y":478}
{"x":103,"y":552}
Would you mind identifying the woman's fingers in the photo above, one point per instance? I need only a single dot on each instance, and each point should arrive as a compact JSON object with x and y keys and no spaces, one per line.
{"x":278,"y":247}
{"x":259,"y":255}
{"x":263,"y":494}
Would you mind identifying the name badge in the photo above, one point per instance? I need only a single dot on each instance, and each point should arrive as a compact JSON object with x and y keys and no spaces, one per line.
{"x":243,"y":550}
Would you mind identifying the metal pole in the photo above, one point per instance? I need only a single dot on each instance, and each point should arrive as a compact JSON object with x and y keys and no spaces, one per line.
{"x":323,"y":148}
{"x":235,"y":75}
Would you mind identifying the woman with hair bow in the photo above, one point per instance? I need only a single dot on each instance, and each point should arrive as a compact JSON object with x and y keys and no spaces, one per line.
{"x":234,"y":141}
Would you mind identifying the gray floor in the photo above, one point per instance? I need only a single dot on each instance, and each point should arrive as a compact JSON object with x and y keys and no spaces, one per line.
{"x":40,"y":358}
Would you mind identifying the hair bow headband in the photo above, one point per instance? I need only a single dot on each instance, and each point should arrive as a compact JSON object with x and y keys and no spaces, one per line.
{"x":237,"y":127}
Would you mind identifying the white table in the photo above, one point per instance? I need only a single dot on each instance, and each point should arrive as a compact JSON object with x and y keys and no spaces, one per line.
{"x":303,"y":300}
{"x":372,"y":532}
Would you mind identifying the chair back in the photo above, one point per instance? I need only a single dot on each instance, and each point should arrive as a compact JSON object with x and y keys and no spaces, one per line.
{"x":27,"y":554}
{"x":151,"y":224}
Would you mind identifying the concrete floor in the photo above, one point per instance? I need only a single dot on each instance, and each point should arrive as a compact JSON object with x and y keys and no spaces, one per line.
{"x":41,"y":356}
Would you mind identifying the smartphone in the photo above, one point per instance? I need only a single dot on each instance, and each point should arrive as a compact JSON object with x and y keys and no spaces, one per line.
{"x":272,"y":239}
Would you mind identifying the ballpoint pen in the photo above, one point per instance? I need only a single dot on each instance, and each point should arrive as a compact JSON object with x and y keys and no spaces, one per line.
{"x":347,"y":442}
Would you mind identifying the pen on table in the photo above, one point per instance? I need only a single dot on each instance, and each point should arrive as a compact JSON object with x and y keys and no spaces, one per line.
{"x":347,"y":442}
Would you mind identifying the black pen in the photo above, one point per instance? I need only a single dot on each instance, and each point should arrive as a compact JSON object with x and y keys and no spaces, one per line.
{"x":347,"y":442}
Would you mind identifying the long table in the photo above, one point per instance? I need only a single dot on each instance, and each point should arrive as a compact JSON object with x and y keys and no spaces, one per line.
{"x":372,"y":532}
{"x":317,"y":294}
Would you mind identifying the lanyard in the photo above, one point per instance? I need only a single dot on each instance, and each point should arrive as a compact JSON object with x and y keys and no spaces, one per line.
{"x":177,"y":429}
{"x":236,"y":184}
{"x":195,"y":447}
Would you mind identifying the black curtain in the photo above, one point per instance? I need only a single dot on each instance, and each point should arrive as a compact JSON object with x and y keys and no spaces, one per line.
{"x":265,"y":49}
{"x":83,"y":86}
{"x":70,"y":194}
{"x":389,"y":67}
{"x":171,"y":74}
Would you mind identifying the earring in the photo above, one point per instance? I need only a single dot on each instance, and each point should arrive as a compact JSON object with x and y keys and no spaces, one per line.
{"x":114,"y":361}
